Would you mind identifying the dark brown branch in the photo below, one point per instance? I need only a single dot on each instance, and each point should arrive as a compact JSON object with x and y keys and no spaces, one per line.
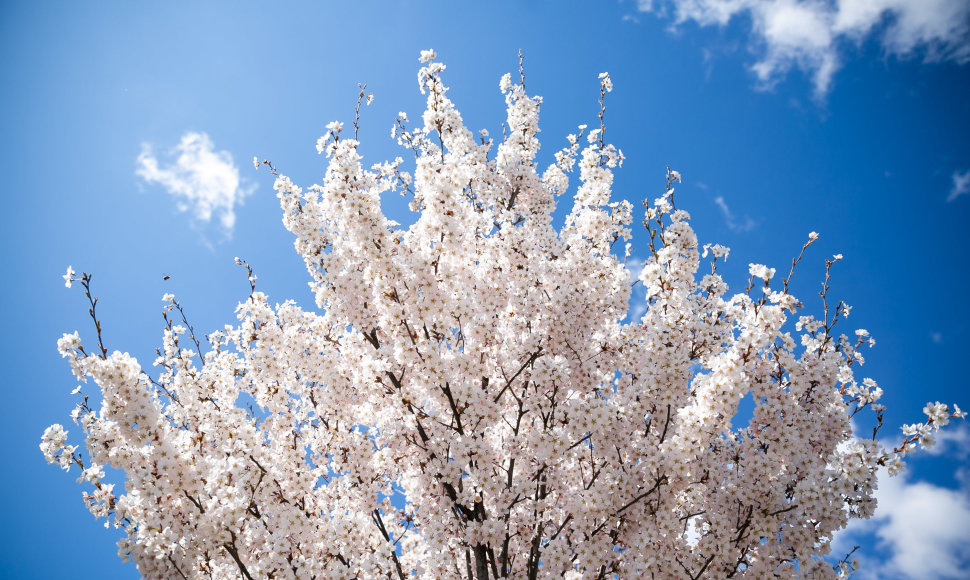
{"x":743,"y":526}
{"x":231,"y":548}
{"x":656,"y":486}
{"x":781,"y":511}
{"x":491,"y":561}
{"x":701,"y":571}
{"x":532,"y":567}
{"x":177,"y":569}
{"x":196,"y":502}
{"x":372,"y":338}
{"x":561,"y":526}
{"x":663,"y":435}
{"x":586,"y":437}
{"x":508,"y":383}
{"x":376,"y":515}
{"x":185,"y":320}
{"x":86,"y":283}
{"x":515,"y":193}
{"x":481,"y":562}
{"x":454,"y":408}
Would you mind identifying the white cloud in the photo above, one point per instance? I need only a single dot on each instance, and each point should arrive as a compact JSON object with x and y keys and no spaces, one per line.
{"x":953,"y":441}
{"x":924,"y":528}
{"x":746,"y":225}
{"x":202,"y":180}
{"x":811,"y":34}
{"x":638,"y":303}
{"x":634,"y":265}
{"x":961,"y":185}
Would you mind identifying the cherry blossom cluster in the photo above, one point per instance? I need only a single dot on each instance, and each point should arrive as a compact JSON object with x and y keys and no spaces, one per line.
{"x":468,"y":401}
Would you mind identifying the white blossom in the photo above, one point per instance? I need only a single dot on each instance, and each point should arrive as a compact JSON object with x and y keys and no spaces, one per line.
{"x":761,"y":271}
{"x":505,"y":84}
{"x":68,"y":343}
{"x":605,"y":82}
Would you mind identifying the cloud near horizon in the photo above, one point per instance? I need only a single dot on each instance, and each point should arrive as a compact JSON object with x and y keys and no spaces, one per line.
{"x":923,"y":528}
{"x":811,"y":35}
{"x":201,"y":179}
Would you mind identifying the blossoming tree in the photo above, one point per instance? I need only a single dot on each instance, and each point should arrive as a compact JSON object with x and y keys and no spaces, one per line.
{"x":468,"y":402}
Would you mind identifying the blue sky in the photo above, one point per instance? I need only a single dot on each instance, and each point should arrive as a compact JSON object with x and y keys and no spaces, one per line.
{"x":848,"y":118}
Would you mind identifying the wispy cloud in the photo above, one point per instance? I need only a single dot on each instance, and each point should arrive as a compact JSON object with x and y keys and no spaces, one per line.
{"x":811,"y":35}
{"x":202,"y":180}
{"x":744,"y":225}
{"x":961,"y":185}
